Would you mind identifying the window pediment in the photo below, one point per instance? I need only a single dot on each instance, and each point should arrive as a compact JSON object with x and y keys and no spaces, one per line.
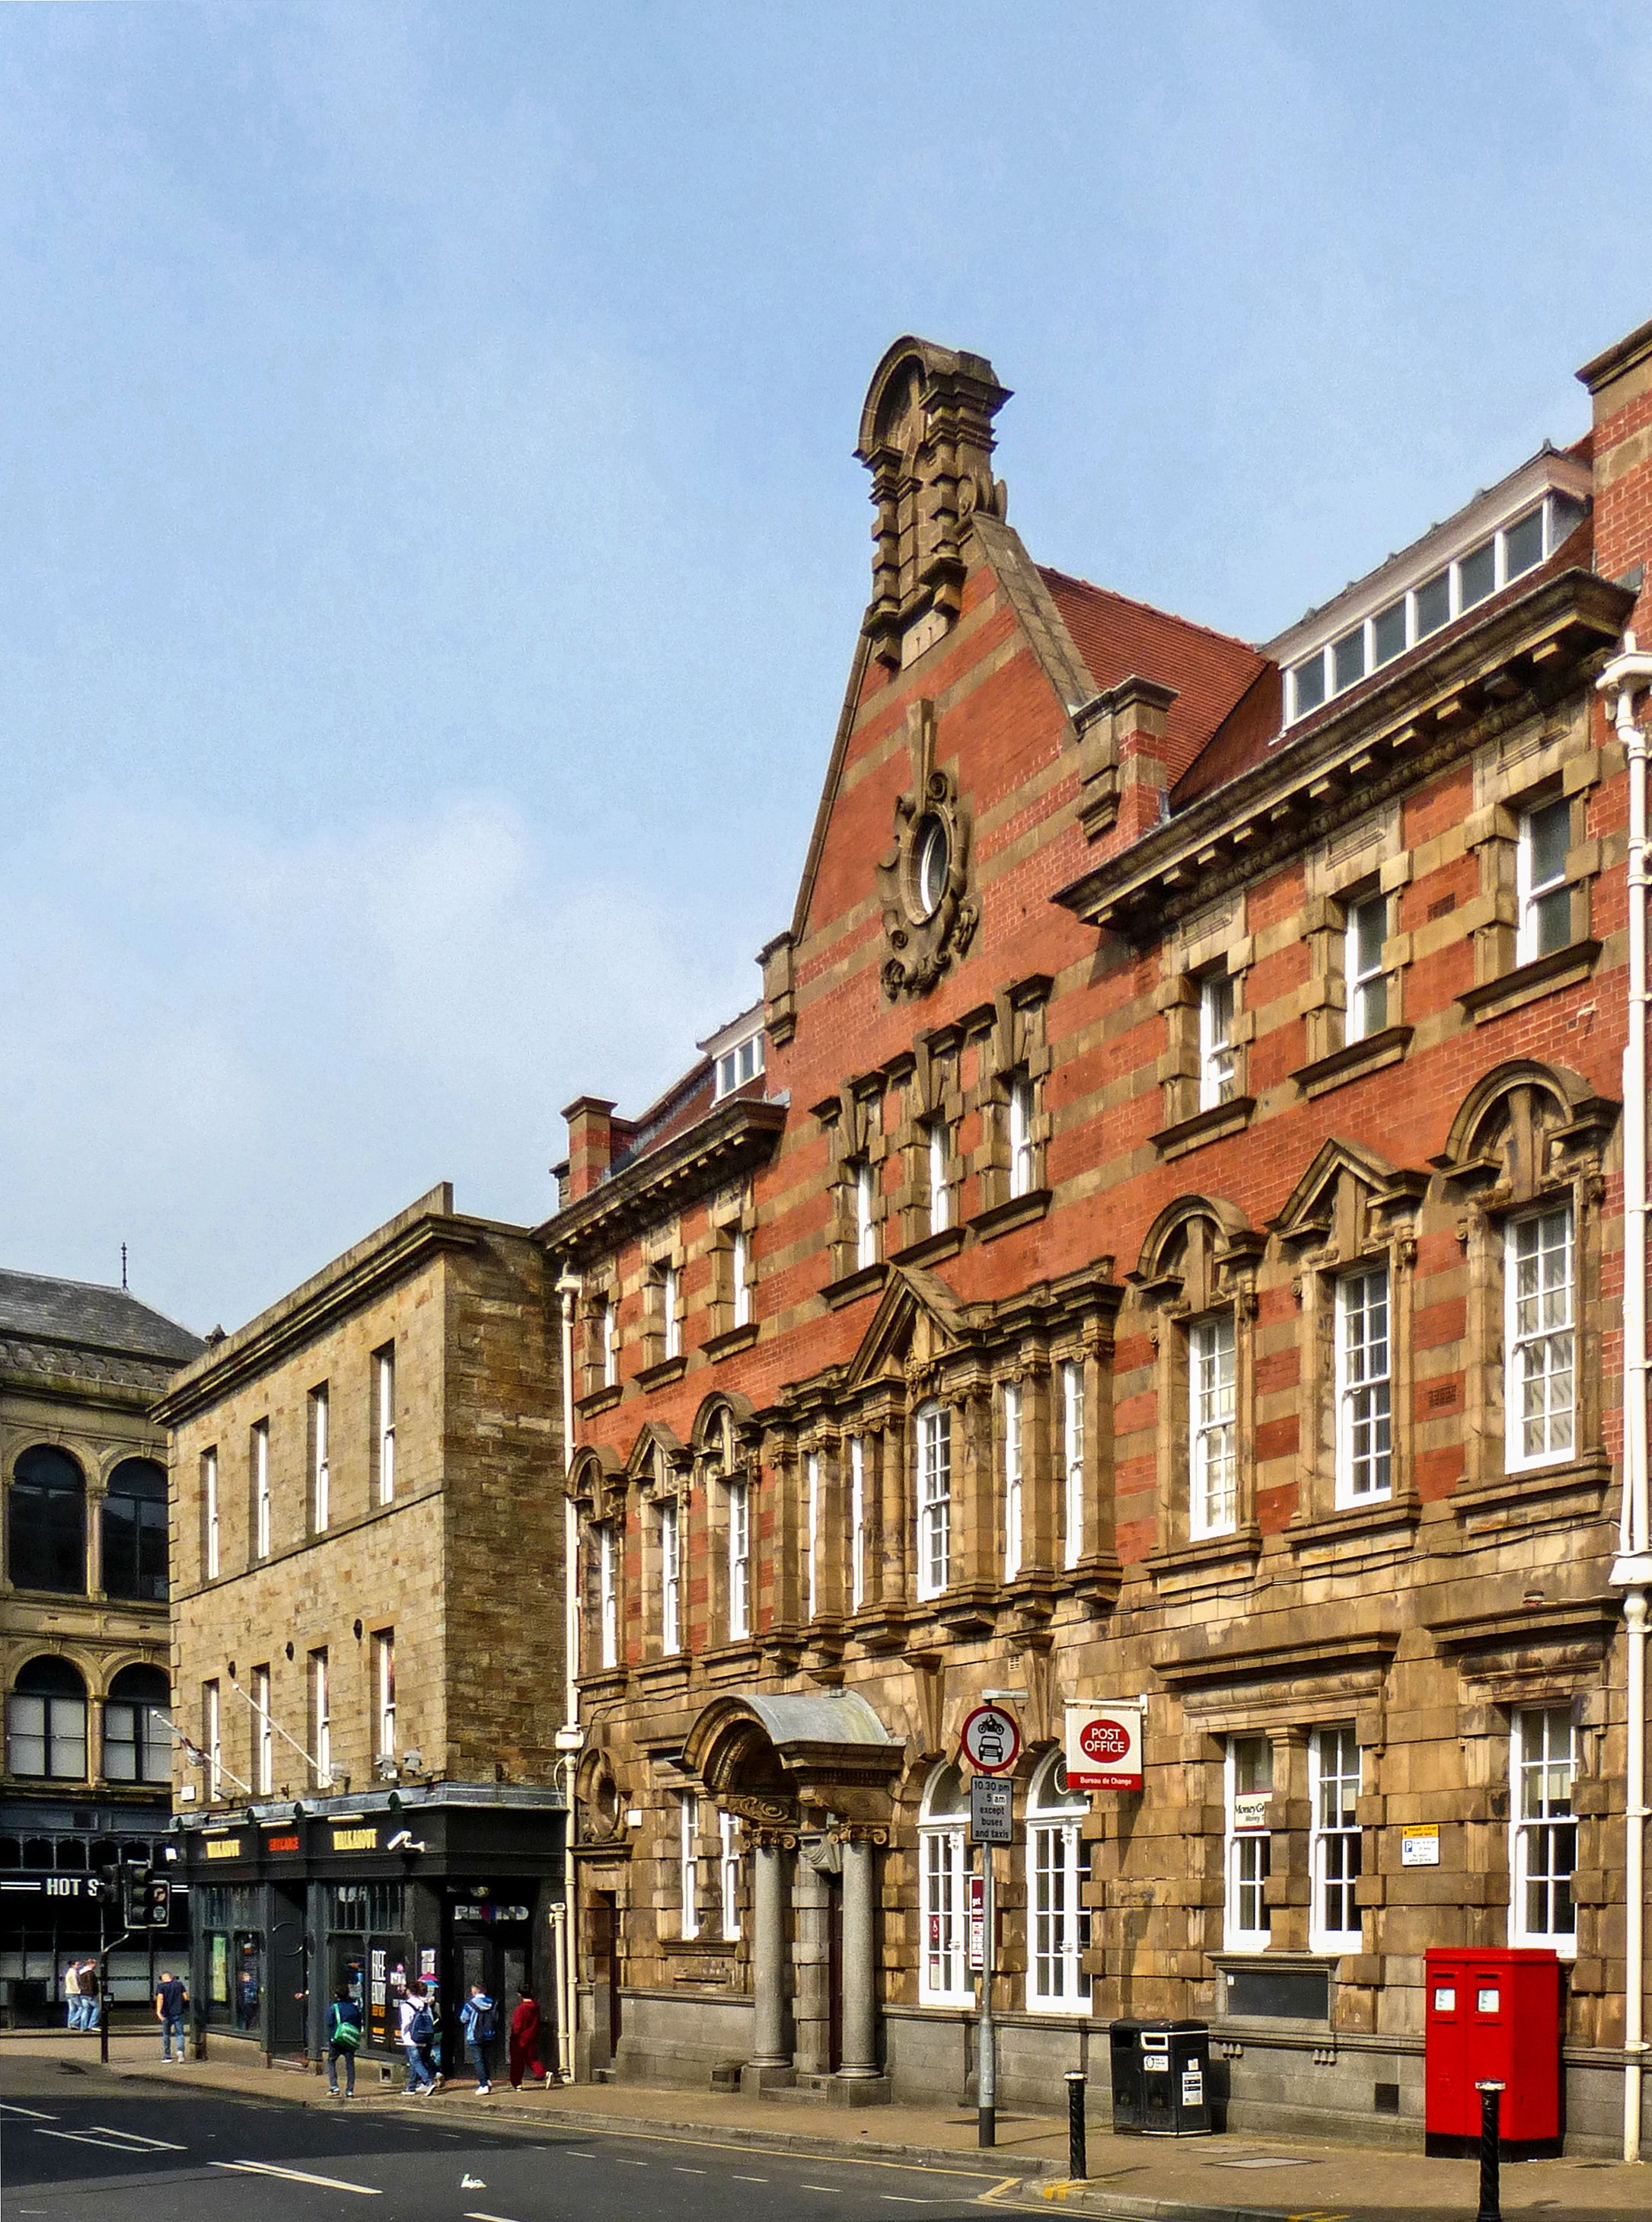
{"x":1349,"y":1200}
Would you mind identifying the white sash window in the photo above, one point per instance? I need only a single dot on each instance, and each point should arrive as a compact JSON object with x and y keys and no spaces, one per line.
{"x":1073,"y":1458}
{"x":1057,"y":1868}
{"x":943,"y":1953}
{"x":1012,"y":1484}
{"x":1364,"y":1388}
{"x":934,"y":1499}
{"x":1333,"y":1843}
{"x":1249,"y":1784}
{"x":1540,"y":1388}
{"x":1212,"y":1447}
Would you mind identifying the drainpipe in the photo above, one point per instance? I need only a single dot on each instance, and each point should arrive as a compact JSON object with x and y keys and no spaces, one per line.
{"x":570,"y":1736}
{"x":1628,"y":674}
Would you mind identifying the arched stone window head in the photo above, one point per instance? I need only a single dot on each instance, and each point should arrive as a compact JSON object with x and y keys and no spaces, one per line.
{"x":134,"y":1532}
{"x":45,"y":1522}
{"x":46,"y":1723}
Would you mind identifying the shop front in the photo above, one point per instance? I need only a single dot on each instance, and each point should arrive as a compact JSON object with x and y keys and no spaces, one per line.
{"x":442,"y":1887}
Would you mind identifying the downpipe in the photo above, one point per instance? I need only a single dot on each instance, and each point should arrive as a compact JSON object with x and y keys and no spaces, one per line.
{"x":1630,"y":673}
{"x":570,"y":1736}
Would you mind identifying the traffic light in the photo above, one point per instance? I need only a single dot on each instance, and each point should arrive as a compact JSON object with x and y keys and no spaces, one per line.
{"x":135,"y":1897}
{"x":159,"y":1895}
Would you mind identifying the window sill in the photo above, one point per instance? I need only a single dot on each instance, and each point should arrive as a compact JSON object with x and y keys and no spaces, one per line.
{"x":865,"y":1281}
{"x":1352,"y":1061}
{"x":967,"y":1608}
{"x":606,"y":1682}
{"x":878,"y":1627}
{"x":743,"y":1656}
{"x":1383,"y":1517}
{"x":731,"y":1339}
{"x":667,"y":1370}
{"x":1586,"y":1478}
{"x":1222,"y":1119}
{"x":930,"y":1249}
{"x":1015,"y":1211}
{"x":599,"y":1400}
{"x":1562,"y":968}
{"x":1239,"y":1550}
{"x":672,"y":1668}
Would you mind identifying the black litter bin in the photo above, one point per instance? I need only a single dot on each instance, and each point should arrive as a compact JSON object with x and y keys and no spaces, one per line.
{"x":1175,"y":2079}
{"x":1125,"y":2043}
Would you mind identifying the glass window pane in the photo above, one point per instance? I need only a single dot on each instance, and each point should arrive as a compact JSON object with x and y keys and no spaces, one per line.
{"x":1433,"y":602}
{"x":1347,"y":658}
{"x":1522,"y":544}
{"x":1388,"y":633}
{"x":1308,"y":684}
{"x":1551,"y":833}
{"x":1477,"y":575}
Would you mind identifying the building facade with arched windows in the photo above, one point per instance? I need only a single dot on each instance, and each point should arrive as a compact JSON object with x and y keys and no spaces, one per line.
{"x":1159,"y":1234}
{"x":85,"y":1626}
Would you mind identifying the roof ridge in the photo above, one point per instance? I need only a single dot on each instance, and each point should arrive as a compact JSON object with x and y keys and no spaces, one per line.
{"x":1049,"y":571}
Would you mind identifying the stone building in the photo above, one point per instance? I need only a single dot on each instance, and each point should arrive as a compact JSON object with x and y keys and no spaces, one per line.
{"x":83,"y":1644}
{"x":367,"y":1533}
{"x":1160,"y":1235}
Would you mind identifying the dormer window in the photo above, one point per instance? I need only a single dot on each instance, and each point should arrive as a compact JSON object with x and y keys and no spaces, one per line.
{"x":738,"y":1064}
{"x":1491,"y":562}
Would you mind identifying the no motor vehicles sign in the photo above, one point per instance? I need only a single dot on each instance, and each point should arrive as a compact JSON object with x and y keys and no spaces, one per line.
{"x":1103,"y":1746}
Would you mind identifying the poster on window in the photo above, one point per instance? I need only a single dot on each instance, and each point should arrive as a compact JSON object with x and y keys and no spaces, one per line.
{"x":1102,"y":1745}
{"x":977,"y":1924}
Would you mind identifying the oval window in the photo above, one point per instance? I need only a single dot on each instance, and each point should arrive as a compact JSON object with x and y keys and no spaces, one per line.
{"x":933,"y":858}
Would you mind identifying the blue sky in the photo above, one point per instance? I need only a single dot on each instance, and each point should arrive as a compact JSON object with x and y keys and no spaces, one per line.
{"x":432,"y":549}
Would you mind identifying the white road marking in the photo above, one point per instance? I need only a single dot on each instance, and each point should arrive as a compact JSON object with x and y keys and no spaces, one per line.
{"x":688,"y":2171}
{"x":894,"y":2199}
{"x":820,"y":2187}
{"x":297,"y":2176}
{"x":154,"y":2145}
{"x":621,"y":2160}
{"x":577,"y":2156}
{"x":117,"y":2141}
{"x":751,"y":2179}
{"x":34,"y":2113}
{"x":474,"y":2215}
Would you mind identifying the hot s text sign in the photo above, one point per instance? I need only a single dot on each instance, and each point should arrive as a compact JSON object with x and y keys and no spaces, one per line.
{"x":1103,"y":1746}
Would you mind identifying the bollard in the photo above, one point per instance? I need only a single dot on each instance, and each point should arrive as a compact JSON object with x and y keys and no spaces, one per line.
{"x":1077,"y":2165}
{"x":1490,"y":2209}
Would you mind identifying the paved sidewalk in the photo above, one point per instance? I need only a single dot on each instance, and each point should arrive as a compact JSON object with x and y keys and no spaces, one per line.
{"x":1210,"y":2179}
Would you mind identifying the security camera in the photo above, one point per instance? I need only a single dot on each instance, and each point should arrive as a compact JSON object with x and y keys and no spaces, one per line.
{"x":403,"y":1841}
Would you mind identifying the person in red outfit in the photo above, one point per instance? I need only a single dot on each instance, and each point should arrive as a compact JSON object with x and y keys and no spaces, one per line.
{"x":524,"y":2041}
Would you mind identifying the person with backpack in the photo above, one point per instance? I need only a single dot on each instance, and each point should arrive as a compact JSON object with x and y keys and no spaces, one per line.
{"x":481,"y":2026}
{"x":418,"y":2035}
{"x":343,"y":2040}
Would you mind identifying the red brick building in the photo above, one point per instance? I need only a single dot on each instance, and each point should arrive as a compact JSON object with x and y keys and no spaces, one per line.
{"x":1160,"y":1235}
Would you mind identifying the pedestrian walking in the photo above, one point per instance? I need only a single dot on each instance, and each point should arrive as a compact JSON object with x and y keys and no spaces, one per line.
{"x":524,"y":2041}
{"x":171,"y":1996}
{"x":418,"y":2035}
{"x":90,"y":1990}
{"x":343,"y":2040}
{"x":72,"y":1995}
{"x":481,"y":2026}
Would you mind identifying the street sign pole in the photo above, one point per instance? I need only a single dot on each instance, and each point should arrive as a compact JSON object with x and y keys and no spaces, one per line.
{"x":103,"y":1980}
{"x":986,"y":2075}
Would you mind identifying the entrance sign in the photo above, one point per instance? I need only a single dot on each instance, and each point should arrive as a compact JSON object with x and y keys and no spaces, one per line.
{"x":991,"y":1740}
{"x":1104,"y":1746}
{"x":989,"y":1811}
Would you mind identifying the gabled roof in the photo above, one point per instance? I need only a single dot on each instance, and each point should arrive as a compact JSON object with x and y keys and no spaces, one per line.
{"x":90,"y":1314}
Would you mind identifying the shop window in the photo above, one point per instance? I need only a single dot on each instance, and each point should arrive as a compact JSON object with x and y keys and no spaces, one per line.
{"x":933,"y":1426}
{"x":1249,"y":1785}
{"x":1540,"y":1367}
{"x":1334,"y":1842}
{"x":383,"y":1423}
{"x":134,"y":1532}
{"x":259,"y":1469}
{"x":943,"y":1962}
{"x":1058,"y":1928}
{"x":136,"y":1746}
{"x":45,"y":1722}
{"x":1072,"y":1459}
{"x":1212,"y":1445}
{"x":1012,"y":1480}
{"x":688,"y":1897}
{"x":45,"y":1522}
{"x":1545,"y":1836}
{"x":1364,"y":1418}
{"x":321,"y":1459}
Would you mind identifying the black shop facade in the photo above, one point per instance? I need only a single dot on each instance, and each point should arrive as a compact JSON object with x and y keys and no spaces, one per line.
{"x":445,"y":1887}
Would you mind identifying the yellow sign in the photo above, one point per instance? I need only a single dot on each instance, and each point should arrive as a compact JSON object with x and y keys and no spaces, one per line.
{"x":355,"y":1840}
{"x":224,"y":1847}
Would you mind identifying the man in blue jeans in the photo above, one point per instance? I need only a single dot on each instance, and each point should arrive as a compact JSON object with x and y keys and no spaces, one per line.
{"x":171,"y":1999}
{"x":481,"y":2027}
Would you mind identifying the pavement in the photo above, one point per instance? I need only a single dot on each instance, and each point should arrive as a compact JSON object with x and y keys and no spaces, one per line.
{"x":686,"y":2135}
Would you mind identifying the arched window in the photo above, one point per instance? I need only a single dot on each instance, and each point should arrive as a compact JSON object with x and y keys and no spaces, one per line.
{"x":134,"y":1532}
{"x":45,"y":1524}
{"x":1058,"y":1928}
{"x":45,"y":1722}
{"x":136,"y":1748}
{"x":943,"y":1966}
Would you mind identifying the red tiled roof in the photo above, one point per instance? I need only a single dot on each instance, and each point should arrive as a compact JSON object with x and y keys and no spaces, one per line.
{"x":1122,"y":639}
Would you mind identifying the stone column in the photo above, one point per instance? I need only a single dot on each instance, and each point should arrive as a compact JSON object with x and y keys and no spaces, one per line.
{"x":771,"y":2055}
{"x":812,"y":2004}
{"x":860,"y":1960}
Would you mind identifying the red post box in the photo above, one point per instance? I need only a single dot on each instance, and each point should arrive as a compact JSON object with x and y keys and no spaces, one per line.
{"x":1493,"y":2015}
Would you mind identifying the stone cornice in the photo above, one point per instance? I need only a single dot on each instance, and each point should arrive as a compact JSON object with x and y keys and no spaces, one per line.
{"x":734,"y":1137}
{"x":1347,"y":762}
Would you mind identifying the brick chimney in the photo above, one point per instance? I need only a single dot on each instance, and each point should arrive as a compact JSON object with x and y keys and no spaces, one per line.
{"x":1620,"y":382}
{"x":590,"y":1143}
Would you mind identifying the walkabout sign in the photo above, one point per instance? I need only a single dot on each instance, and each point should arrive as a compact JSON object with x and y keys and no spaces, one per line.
{"x":1104,"y":1746}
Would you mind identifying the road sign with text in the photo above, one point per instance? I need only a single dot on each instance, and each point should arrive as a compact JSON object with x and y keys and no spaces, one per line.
{"x":1104,"y":1746}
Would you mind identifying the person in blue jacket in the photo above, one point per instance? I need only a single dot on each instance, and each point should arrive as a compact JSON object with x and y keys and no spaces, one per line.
{"x":481,"y":2025}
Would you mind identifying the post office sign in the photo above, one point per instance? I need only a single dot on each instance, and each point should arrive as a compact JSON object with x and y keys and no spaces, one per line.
{"x":1104,"y":1746}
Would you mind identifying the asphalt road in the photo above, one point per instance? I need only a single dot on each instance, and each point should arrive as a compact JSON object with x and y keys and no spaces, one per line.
{"x":89,"y":2147}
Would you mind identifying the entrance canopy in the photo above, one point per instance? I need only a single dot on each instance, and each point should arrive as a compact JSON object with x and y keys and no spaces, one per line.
{"x":767,"y":1756}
